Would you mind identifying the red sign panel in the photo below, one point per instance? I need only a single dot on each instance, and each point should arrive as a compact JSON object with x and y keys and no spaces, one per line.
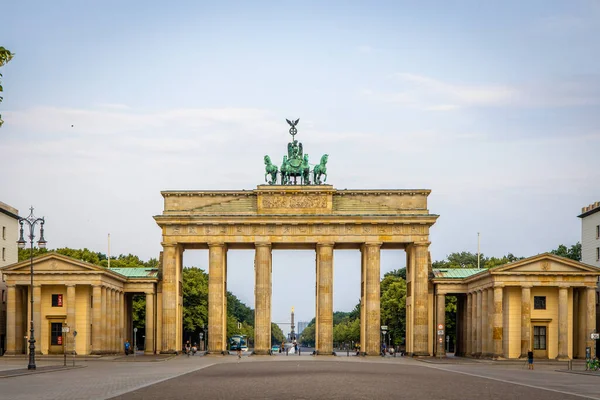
{"x":59,"y":340}
{"x":59,"y":300}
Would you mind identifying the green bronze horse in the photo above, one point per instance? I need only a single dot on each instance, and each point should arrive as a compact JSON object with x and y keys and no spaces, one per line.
{"x":270,"y":169}
{"x":305,"y":171}
{"x":285,"y":173}
{"x":320,"y":169}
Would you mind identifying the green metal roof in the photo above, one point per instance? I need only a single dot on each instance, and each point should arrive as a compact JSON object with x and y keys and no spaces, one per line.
{"x":455,"y":273}
{"x":137,"y":272}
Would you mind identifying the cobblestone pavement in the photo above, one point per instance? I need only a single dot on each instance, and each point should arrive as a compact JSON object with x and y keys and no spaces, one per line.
{"x":333,"y":379}
{"x":323,"y":377}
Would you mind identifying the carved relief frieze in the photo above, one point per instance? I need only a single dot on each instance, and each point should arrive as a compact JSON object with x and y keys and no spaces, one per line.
{"x":294,"y":201}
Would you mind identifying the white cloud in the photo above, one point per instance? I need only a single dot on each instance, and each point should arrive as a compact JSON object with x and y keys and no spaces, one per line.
{"x":426,"y":93}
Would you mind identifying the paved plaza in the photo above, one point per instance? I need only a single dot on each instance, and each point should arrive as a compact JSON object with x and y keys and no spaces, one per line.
{"x":296,"y":377}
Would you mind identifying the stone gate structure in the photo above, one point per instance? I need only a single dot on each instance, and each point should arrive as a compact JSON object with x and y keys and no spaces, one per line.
{"x":315,"y":217}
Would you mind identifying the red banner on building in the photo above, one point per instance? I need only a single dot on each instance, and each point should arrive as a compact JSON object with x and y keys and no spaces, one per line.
{"x":60,"y":340}
{"x":60,"y":300}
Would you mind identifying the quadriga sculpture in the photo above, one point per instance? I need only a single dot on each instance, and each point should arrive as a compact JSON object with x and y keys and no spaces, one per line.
{"x":320,"y":169}
{"x":270,"y":169}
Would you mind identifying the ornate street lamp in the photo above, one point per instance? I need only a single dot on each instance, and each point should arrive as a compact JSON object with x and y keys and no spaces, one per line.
{"x":31,"y":221}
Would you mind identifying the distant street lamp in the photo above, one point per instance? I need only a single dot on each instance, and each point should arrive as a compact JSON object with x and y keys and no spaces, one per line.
{"x":31,"y":221}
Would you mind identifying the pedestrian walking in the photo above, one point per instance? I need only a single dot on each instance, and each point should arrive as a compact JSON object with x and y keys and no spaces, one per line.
{"x":127,"y":347}
{"x":529,"y":359}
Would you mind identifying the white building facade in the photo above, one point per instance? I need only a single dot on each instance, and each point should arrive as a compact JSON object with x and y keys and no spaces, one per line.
{"x":590,"y":234}
{"x":9,"y":254}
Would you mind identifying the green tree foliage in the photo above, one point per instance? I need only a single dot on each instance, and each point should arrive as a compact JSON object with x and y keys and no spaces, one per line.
{"x":467,"y":259}
{"x":5,"y":57}
{"x":307,"y":337}
{"x":573,"y":252}
{"x":277,"y":335}
{"x":195,"y":299}
{"x":393,"y":307}
{"x":139,"y":311}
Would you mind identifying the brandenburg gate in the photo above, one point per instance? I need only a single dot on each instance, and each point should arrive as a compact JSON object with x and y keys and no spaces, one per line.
{"x":296,"y":215}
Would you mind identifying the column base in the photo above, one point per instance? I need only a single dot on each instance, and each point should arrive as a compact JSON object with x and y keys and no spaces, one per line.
{"x":168,"y":352}
{"x":498,"y":357}
{"x":149,"y":352}
{"x":563,"y":358}
{"x":262,"y":352}
{"x":486,"y":355}
{"x":420,"y":354}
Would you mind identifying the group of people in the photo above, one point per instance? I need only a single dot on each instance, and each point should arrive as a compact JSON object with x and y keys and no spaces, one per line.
{"x":190,"y":349}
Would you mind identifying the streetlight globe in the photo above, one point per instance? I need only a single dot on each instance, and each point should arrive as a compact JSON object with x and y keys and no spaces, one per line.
{"x":21,"y":244}
{"x":42,"y":244}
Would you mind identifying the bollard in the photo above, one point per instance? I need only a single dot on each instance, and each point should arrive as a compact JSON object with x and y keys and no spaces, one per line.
{"x":570,"y":365}
{"x":347,"y":352}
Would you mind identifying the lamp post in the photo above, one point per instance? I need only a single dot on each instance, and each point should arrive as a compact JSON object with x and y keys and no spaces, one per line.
{"x":31,"y":221}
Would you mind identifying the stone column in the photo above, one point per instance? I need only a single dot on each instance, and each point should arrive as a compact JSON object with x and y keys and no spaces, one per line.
{"x":479,"y":325}
{"x":111,"y":320}
{"x":363,"y":290}
{"x":498,"y":322}
{"x":469,"y":346}
{"x":525,"y":320}
{"x":170,"y":297}
{"x":474,"y":324}
{"x":119,"y":347}
{"x":325,"y":301}
{"x":11,"y":316}
{"x":563,"y":324}
{"x":440,"y":349}
{"x":490,"y":322}
{"x":37,"y":317}
{"x":581,"y":313}
{"x":149,"y":324}
{"x":217,"y":311}
{"x":485,"y":351}
{"x":71,"y":321}
{"x":372,"y":299}
{"x":421,"y":300}
{"x":96,"y":318}
{"x":590,"y":322}
{"x":263,"y":291}
{"x":103,"y":311}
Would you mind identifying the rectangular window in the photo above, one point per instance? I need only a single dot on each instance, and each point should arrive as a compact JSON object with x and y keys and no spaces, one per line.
{"x":597,"y":253}
{"x":56,"y":334}
{"x":539,"y":302}
{"x":57,"y":300}
{"x":4,"y":254}
{"x":539,"y":338}
{"x":597,"y":231}
{"x":4,"y":232}
{"x":3,"y":299}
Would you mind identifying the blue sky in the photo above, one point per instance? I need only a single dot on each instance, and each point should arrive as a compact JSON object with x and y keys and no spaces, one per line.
{"x":492,"y":105}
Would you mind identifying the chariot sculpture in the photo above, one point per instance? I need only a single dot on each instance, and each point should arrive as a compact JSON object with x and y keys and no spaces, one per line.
{"x":295,"y":167}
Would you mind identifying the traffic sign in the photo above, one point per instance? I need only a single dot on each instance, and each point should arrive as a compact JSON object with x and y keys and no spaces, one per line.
{"x":595,"y":336}
{"x":441,"y":332}
{"x":65,"y":329}
{"x":384,"y":327}
{"x":134,"y":330}
{"x":440,"y":326}
{"x":441,"y":340}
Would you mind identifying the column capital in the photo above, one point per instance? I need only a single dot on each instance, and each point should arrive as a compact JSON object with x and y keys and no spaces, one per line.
{"x":526,"y":285}
{"x":168,"y":244}
{"x":70,"y":285}
{"x":261,"y":244}
{"x":325,"y":244}
{"x":564,"y":286}
{"x":498,"y":286}
{"x":421,"y":243}
{"x":373,"y":244}
{"x":216,"y":244}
